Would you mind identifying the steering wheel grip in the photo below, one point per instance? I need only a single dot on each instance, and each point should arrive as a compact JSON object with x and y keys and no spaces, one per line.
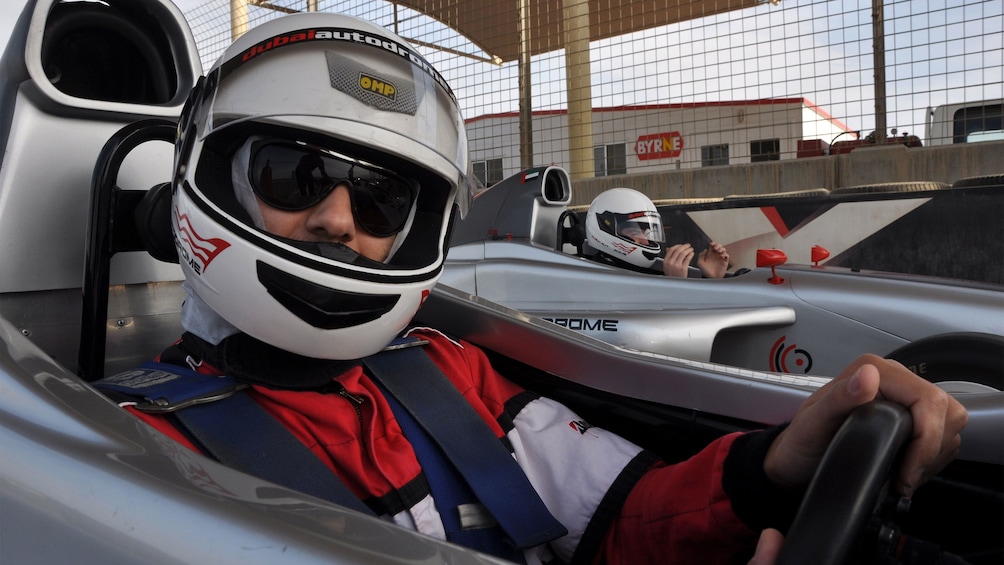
{"x":846,"y":487}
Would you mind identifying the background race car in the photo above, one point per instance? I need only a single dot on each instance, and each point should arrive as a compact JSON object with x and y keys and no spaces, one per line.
{"x":522,"y":246}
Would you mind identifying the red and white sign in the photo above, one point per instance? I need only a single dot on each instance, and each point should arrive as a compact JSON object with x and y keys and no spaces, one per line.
{"x":659,"y":146}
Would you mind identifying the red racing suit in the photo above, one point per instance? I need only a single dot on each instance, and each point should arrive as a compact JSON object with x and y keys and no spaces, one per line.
{"x":619,"y":503}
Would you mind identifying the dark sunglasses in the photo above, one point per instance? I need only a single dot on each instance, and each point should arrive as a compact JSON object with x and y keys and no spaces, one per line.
{"x":292,"y":176}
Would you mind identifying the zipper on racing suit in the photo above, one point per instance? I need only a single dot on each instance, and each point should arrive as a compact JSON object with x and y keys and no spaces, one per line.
{"x":355,"y":401}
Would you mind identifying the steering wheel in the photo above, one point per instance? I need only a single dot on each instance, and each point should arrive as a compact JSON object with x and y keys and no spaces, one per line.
{"x":847,"y":485}
{"x":966,"y":357}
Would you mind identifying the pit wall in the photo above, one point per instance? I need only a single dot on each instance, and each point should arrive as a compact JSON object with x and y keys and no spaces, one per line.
{"x":863,"y":166}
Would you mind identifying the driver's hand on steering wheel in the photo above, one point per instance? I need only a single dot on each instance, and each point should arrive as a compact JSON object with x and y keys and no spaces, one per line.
{"x":937,"y":421}
{"x":768,"y":547}
{"x":676,"y":263}
{"x":713,"y":261}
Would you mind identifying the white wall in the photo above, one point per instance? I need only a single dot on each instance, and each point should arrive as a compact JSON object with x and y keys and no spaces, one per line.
{"x":735,"y":124}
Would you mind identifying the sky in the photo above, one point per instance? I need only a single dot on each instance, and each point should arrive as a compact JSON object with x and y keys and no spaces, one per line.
{"x":816,"y":48}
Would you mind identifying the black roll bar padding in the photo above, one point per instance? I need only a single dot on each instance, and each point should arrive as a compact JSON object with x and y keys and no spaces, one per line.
{"x":153,"y":223}
{"x":111,"y":228}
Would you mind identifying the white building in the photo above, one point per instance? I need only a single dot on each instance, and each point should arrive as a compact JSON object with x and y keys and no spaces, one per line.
{"x":633,"y":139}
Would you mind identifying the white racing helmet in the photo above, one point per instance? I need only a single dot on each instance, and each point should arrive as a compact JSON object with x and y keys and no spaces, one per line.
{"x":624,"y":224}
{"x":311,"y":100}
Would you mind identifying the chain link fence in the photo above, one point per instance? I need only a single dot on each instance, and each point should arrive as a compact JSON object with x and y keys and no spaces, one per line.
{"x":753,"y":82}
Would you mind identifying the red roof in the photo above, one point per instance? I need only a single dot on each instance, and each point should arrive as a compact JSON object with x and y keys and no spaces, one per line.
{"x":678,"y":105}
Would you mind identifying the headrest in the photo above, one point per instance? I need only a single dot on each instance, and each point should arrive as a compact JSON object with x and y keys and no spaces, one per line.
{"x":153,"y":223}
{"x":574,"y":234}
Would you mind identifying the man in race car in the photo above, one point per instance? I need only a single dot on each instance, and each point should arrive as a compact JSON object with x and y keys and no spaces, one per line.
{"x":625,"y":228}
{"x":295,"y":280}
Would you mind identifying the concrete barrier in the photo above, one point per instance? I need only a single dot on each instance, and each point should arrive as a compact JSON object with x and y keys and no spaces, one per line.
{"x":866,"y":165}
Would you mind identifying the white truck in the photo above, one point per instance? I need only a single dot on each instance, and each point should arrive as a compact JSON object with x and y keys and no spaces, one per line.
{"x":965,"y":122}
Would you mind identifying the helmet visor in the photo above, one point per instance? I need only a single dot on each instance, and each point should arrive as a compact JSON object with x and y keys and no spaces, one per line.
{"x":361,"y":86}
{"x":643,"y":228}
{"x":294,"y":175}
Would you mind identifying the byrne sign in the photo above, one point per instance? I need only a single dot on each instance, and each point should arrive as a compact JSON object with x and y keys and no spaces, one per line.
{"x":659,"y":146}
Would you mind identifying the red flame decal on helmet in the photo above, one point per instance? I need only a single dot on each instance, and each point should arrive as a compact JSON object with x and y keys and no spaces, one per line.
{"x":203,"y":249}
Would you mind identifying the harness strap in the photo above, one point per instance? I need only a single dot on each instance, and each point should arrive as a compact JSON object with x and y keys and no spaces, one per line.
{"x":233,"y":428}
{"x":161,"y":387}
{"x":465,"y":520}
{"x":282,"y":458}
{"x":478,"y":455}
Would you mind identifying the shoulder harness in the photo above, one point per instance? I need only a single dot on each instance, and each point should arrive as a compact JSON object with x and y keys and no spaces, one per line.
{"x":469,"y":469}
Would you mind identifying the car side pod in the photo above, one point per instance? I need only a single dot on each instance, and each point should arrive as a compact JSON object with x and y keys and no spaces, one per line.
{"x":771,"y":258}
{"x":819,"y":253}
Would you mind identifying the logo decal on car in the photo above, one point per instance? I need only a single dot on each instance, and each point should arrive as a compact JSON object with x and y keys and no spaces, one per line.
{"x":585,"y":324}
{"x":782,"y":354}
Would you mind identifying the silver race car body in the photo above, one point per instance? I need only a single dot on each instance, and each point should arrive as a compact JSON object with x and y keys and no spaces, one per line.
{"x":800,"y":319}
{"x":82,"y":296}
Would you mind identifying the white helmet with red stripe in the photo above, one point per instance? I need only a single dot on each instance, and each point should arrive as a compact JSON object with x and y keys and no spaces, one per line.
{"x":624,"y":224}
{"x":361,"y":98}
